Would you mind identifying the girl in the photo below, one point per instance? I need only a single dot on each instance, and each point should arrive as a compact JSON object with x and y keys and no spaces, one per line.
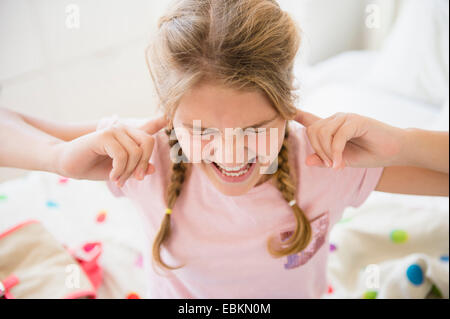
{"x":226,"y":229}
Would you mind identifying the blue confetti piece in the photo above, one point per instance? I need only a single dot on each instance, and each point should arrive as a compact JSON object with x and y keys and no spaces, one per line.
{"x":415,"y":274}
{"x":52,"y":204}
{"x":444,"y":258}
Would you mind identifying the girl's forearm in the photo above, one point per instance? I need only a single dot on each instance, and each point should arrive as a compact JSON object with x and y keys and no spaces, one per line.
{"x":65,"y":132}
{"x":30,"y":143}
{"x":424,"y":148}
{"x":24,"y":146}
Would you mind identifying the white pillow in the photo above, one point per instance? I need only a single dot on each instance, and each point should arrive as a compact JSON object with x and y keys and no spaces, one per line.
{"x":414,"y":60}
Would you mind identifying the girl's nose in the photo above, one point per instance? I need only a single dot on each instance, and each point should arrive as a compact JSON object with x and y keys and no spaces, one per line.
{"x":230,"y":154}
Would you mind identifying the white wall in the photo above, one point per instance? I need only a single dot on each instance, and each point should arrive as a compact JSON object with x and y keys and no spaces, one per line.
{"x":36,"y":34}
{"x":328,"y":26}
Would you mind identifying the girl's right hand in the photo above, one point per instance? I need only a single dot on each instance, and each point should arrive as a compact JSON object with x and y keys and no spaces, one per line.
{"x":115,"y":153}
{"x":350,"y":139}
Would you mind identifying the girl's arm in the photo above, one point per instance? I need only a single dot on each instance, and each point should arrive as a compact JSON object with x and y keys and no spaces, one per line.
{"x":426,"y":149}
{"x":415,"y":161}
{"x":29,"y":143}
{"x":422,"y":165}
{"x":78,"y":151}
{"x":413,"y":181}
{"x":65,"y":132}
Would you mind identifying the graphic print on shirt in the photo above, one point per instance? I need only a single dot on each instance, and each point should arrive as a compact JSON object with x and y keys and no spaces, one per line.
{"x":319,"y":227}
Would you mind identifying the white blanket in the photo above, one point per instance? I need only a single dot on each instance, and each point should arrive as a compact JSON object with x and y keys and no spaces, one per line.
{"x":393,"y":246}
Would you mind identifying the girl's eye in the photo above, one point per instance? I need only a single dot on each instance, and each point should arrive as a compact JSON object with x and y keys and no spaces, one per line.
{"x":260,"y":130}
{"x":209,"y":132}
{"x":205,"y":132}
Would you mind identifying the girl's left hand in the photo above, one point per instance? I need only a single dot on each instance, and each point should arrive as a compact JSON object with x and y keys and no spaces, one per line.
{"x":349,"y":139}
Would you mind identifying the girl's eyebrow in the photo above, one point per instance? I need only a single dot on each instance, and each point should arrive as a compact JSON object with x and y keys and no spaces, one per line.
{"x":262,"y":123}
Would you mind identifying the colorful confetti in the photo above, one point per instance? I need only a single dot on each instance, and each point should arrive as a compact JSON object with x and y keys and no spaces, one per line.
{"x":344,"y":220}
{"x":63,"y":180}
{"x":444,"y":258}
{"x":133,"y":295}
{"x":51,"y":204}
{"x":415,"y":274}
{"x":370,"y":294}
{"x":3,"y":197}
{"x":101,"y":216}
{"x":88,"y":247}
{"x":399,"y":236}
{"x":332,"y":247}
{"x":435,"y":292}
{"x":330,"y":289}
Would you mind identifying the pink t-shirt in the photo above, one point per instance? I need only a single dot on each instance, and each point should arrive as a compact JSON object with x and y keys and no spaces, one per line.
{"x":222,"y":239}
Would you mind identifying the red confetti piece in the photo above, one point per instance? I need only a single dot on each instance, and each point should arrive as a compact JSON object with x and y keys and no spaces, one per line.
{"x":330,"y":289}
{"x":88,"y":247}
{"x":101,"y":216}
{"x":63,"y":180}
{"x":133,"y":295}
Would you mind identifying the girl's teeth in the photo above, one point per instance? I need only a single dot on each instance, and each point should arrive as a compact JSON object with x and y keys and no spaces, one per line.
{"x":234,"y":174}
{"x":231,"y":169}
{"x":239,"y":173}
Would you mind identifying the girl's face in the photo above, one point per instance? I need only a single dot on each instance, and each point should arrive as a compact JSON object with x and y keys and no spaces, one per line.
{"x":233,"y":136}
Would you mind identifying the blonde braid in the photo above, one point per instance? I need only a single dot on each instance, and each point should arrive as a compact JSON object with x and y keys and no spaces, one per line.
{"x":173,"y":191}
{"x":302,"y":235}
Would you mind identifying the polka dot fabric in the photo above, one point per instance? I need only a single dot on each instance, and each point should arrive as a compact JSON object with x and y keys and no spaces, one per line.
{"x":393,"y":246}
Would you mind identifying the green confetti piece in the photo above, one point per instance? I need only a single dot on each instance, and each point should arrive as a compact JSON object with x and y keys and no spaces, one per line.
{"x":435,"y":292}
{"x":370,"y":294}
{"x":344,"y":220}
{"x":399,"y":236}
{"x":3,"y":197}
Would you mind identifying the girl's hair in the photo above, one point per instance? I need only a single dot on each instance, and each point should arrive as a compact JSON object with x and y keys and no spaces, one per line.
{"x":243,"y":44}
